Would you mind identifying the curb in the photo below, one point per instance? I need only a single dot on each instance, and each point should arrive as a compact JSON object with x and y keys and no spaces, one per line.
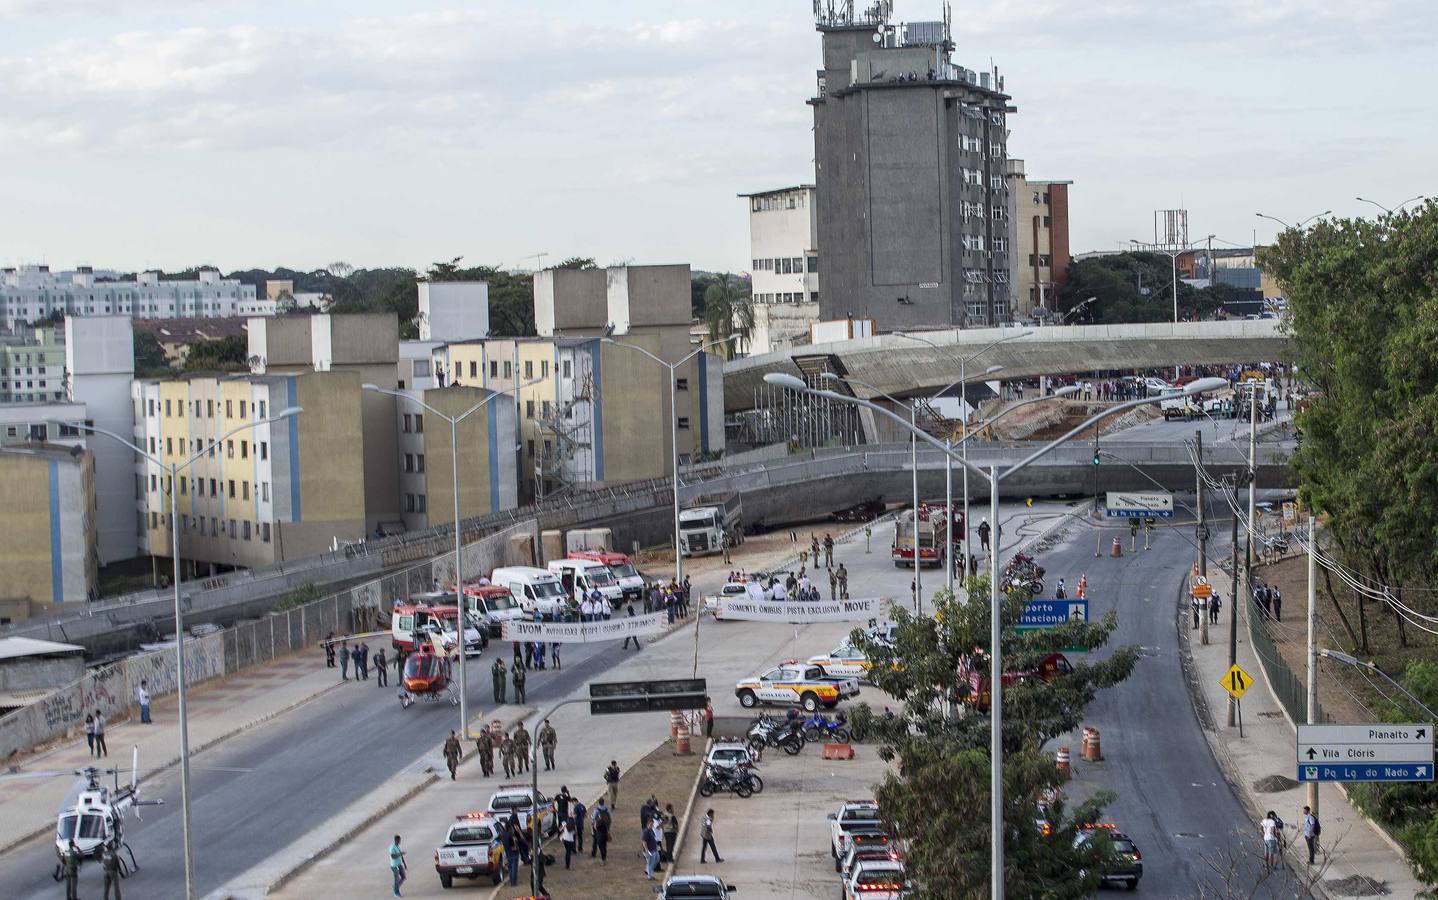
{"x":689,"y":807}
{"x":171,"y":763}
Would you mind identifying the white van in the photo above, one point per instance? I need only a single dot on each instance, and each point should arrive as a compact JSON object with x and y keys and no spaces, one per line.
{"x":535,"y":590}
{"x":580,"y":576}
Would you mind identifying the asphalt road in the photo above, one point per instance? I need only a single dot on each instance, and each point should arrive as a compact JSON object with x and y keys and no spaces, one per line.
{"x":269,"y":786}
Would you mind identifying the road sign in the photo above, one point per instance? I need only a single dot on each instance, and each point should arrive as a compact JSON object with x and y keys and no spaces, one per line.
{"x":612,"y":697}
{"x":1048,"y":613}
{"x":1365,"y":752}
{"x":1236,"y":681}
{"x":1201,"y":588}
{"x":1374,"y":772}
{"x":1141,"y":505}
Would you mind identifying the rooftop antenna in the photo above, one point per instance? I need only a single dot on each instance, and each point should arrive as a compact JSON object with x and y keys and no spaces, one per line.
{"x":538,"y":260}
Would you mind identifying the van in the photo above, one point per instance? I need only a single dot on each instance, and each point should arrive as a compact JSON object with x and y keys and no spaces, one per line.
{"x":535,"y":590}
{"x":630,"y":581}
{"x":580,"y":576}
{"x":431,"y":618}
{"x":490,"y":606}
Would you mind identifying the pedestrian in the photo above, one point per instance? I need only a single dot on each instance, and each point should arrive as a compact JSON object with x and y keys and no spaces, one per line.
{"x":518,"y":655}
{"x":452,"y":752}
{"x":671,"y":606}
{"x":554,"y":656}
{"x":355,"y":661}
{"x":539,"y":655}
{"x":1060,"y":592}
{"x":1215,"y":603}
{"x":706,"y":834}
{"x":398,"y":868}
{"x":984,"y":530}
{"x":651,"y":853}
{"x":484,"y":747}
{"x":561,"y":803}
{"x":708,"y":718}
{"x":814,"y":548}
{"x":684,"y":594}
{"x":1197,"y":605}
{"x":828,"y":550}
{"x":548,"y":741}
{"x":518,"y":677}
{"x":330,"y":650}
{"x":833,"y":585}
{"x":1269,"y":827}
{"x":843,"y":582}
{"x":724,"y":543}
{"x":70,"y":862}
{"x":142,"y":697}
{"x":90,"y":732}
{"x":110,"y":865}
{"x":506,"y":755}
{"x":602,"y":823}
{"x":648,"y":810}
{"x":521,"y":747}
{"x":611,"y":784}
{"x":1276,"y":599}
{"x":364,"y":662}
{"x":973,"y":566}
{"x":630,"y":637}
{"x":100,"y":748}
{"x":670,"y":823}
{"x":381,"y":668}
{"x":528,"y":655}
{"x":579,"y":822}
{"x":539,"y":863}
{"x":511,"y":853}
{"x":345,"y":660}
{"x":566,"y":837}
{"x":1312,"y":828}
{"x":497,"y":671}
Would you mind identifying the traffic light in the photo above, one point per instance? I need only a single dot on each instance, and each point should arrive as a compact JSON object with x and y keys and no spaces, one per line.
{"x":1095,"y":456}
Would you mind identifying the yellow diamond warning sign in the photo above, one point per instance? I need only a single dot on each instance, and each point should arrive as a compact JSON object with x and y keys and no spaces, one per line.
{"x":1236,"y":681}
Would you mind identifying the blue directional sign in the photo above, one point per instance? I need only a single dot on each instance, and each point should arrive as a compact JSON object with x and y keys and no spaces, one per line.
{"x":1048,"y":613}
{"x":1139,"y":505}
{"x":1373,"y":772}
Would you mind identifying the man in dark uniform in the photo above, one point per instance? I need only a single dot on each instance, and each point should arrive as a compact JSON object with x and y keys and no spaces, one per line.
{"x":381,"y":668}
{"x":506,"y":755}
{"x":498,"y":671}
{"x":452,"y":752}
{"x":548,"y":740}
{"x":484,"y":746}
{"x":522,"y":744}
{"x":70,"y":861}
{"x":518,"y":682}
{"x":110,"y":862}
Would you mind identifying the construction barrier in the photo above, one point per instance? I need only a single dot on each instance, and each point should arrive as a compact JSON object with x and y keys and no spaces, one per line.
{"x":837,"y":751}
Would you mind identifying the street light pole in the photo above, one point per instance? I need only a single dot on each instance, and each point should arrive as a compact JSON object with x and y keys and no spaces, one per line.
{"x":994,"y":476}
{"x":182,"y":710}
{"x":1312,"y":645}
{"x":914,"y":471}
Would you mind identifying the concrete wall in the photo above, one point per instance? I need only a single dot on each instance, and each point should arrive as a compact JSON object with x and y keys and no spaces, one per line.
{"x":479,"y":558}
{"x":633,"y":435}
{"x":48,"y":554}
{"x":486,"y":463}
{"x":453,"y":310}
{"x":569,"y":298}
{"x":781,"y":326}
{"x":99,"y":355}
{"x":38,"y":673}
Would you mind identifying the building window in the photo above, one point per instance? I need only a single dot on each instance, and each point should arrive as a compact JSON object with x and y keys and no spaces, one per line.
{"x":530,"y":449}
{"x":262,"y":410}
{"x":210,"y":409}
{"x":529,"y":413}
{"x":229,"y":409}
{"x":785,"y":267}
{"x":473,"y":369}
{"x":683,"y":423}
{"x":457,"y":372}
{"x":183,"y":486}
{"x":154,"y":483}
{"x":419,"y":462}
{"x":244,"y":490}
{"x":169,"y":446}
{"x":232,"y":529}
{"x":242,"y":409}
{"x":566,"y":368}
{"x":814,"y":263}
{"x":409,"y":462}
{"x":246,"y":529}
{"x":265,"y":491}
{"x":212,"y":488}
{"x":1046,"y":221}
{"x":265,"y":532}
{"x":230,"y":449}
{"x":813,"y":296}
{"x":419,"y":424}
{"x":232,"y":488}
{"x":508,"y":372}
{"x":544,"y":410}
{"x":528,"y":369}
{"x":544,"y":368}
{"x":493,"y":369}
{"x":244,"y":449}
{"x":409,"y":502}
{"x":1045,"y":260}
{"x":681,"y":384}
{"x":407,"y":421}
{"x":154,"y":520}
{"x":419,"y":503}
{"x":264,"y":450}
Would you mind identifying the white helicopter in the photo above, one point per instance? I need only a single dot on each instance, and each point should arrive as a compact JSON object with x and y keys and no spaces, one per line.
{"x":93,"y":816}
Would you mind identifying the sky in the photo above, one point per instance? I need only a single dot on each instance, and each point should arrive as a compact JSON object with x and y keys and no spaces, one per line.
{"x":255,"y":133}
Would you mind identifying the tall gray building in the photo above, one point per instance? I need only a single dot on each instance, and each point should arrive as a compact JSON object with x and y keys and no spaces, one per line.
{"x":914,"y":221}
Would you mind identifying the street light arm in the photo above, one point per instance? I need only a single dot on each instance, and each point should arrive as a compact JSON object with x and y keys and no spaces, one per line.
{"x":1347,"y":660}
{"x":900,"y":420}
{"x":95,"y":429}
{"x":453,"y":420}
{"x":493,"y":395}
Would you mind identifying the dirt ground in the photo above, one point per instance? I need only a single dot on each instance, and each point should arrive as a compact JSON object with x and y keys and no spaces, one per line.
{"x":758,"y":552}
{"x":1345,"y":693}
{"x":664,"y":774}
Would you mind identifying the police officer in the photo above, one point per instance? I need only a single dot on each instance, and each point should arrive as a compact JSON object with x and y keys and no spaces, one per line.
{"x":548,"y":741}
{"x":843,"y":582}
{"x":498,"y":671}
{"x":521,"y":747}
{"x":828,"y":550}
{"x":506,"y":755}
{"x":484,"y":746}
{"x":518,"y":681}
{"x":110,"y":862}
{"x":452,"y":753}
{"x":70,"y":860}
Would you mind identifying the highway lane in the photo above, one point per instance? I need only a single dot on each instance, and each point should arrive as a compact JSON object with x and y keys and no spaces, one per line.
{"x":267,"y":787}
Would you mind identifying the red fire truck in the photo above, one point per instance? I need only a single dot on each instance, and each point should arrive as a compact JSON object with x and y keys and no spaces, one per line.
{"x":933,"y":528}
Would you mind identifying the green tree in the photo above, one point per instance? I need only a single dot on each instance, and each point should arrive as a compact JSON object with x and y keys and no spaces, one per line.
{"x":1132,"y":287}
{"x":938,"y":796}
{"x":307,"y":592}
{"x":226,"y":354}
{"x":150,"y":359}
{"x":511,"y":297}
{"x":728,"y":309}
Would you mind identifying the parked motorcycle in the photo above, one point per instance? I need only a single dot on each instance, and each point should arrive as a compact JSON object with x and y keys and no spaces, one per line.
{"x":819,"y":727}
{"x":770,"y":732}
{"x":724,"y":779}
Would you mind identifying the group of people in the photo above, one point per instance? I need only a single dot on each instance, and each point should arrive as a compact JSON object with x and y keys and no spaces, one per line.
{"x":71,"y":858}
{"x":1272,"y":830}
{"x":1212,"y":606}
{"x":1269,"y":600}
{"x":359,"y":656}
{"x":801,"y":587}
{"x":514,"y":749}
{"x":671,"y":599}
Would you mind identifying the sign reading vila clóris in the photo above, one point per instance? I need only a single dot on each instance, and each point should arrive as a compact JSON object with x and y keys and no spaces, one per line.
{"x":615,"y":629}
{"x":751,"y":610}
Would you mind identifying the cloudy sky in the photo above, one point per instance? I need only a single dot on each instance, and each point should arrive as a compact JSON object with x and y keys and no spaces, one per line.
{"x":138,"y":133}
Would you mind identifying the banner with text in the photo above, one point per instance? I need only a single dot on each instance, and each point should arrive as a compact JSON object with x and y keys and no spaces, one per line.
{"x":615,"y":629}
{"x":750,"y":610}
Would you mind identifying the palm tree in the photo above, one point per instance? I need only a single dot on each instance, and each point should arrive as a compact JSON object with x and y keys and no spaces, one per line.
{"x":728,"y":309}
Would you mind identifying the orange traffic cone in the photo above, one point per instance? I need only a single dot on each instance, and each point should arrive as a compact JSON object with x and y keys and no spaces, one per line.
{"x":1117,"y":548}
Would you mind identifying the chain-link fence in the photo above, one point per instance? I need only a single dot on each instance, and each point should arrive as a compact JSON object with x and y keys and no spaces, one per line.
{"x":1290,"y":688}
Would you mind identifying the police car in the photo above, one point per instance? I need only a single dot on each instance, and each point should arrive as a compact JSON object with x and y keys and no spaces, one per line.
{"x":844,"y":661}
{"x":1126,"y":867}
{"x":709,"y":887}
{"x":739,"y":590}
{"x":854,"y":815}
{"x":470,"y":850}
{"x":795,"y":683}
{"x":880,"y":879}
{"x":519,"y":800}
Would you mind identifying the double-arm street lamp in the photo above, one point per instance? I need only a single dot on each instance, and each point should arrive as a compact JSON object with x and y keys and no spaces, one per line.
{"x":1398,"y":208}
{"x":173,"y":469}
{"x":1326,"y":212}
{"x":994,"y":477}
{"x":674,"y":430}
{"x":461,"y":625}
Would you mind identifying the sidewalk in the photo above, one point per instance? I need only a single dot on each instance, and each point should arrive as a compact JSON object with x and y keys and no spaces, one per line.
{"x":1268,"y":748}
{"x":217,"y":710}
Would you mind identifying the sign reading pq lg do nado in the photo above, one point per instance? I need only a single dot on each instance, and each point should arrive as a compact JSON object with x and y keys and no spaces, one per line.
{"x":1379,"y":752}
{"x":1139,"y":505}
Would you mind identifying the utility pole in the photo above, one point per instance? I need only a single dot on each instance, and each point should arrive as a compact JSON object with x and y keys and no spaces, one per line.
{"x":1252,"y":484}
{"x":1312,"y":646}
{"x":1202,"y":536}
{"x":1098,"y":530}
{"x":1233,"y":608}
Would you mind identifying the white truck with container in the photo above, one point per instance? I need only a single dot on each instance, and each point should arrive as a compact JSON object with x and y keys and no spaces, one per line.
{"x":705,"y":520}
{"x":581,"y":577}
{"x":535,"y":590}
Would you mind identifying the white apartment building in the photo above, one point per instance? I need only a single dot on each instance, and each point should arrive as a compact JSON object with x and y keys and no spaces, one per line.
{"x":784,"y":266}
{"x":415,"y":376}
{"x":32,"y":365}
{"x":34,"y":292}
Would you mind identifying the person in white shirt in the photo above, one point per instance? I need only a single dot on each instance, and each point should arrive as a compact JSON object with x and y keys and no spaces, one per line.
{"x":1270,"y":827}
{"x":1311,"y":830}
{"x":778,"y":592}
{"x":142,"y":697}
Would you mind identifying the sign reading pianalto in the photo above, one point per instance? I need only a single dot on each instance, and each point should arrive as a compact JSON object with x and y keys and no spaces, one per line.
{"x":751,"y":610}
{"x":616,"y":629}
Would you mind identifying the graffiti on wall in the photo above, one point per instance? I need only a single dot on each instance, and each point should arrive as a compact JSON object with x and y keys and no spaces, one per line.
{"x":104,"y":689}
{"x":62,"y":709}
{"x":204,"y":659}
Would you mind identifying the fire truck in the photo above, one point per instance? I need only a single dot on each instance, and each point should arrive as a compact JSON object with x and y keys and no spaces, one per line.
{"x":933,"y":528}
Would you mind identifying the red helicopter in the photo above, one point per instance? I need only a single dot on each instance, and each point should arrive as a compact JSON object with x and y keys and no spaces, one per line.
{"x":426,"y":677}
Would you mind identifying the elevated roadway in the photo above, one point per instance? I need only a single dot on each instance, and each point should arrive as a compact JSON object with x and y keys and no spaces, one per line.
{"x":906,"y":367}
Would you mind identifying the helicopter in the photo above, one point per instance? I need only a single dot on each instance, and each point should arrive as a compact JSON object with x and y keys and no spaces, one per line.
{"x":426,"y":677}
{"x":93,"y":816}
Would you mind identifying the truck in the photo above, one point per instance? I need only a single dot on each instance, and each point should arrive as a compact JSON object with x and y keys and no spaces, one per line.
{"x":472,"y":849}
{"x":933,"y":529}
{"x":706,"y":519}
{"x":1178,"y":405}
{"x":631,"y":582}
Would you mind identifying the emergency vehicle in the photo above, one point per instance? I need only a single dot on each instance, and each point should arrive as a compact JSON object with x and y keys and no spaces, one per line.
{"x":472,"y":849}
{"x":933,"y":531}
{"x":854,"y":815}
{"x":491,"y":605}
{"x":432,"y":625}
{"x":795,"y":684}
{"x":845,"y":661}
{"x":520,"y":800}
{"x":630,"y":581}
{"x":879,"y":879}
{"x":1055,"y":665}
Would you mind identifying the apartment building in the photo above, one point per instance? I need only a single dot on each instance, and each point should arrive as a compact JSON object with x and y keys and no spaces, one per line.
{"x":49,"y":554}
{"x":29,"y":293}
{"x":100,"y":362}
{"x":485,"y":440}
{"x":1041,"y":226}
{"x":784,"y":266}
{"x":278,"y":491}
{"x":32,"y":365}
